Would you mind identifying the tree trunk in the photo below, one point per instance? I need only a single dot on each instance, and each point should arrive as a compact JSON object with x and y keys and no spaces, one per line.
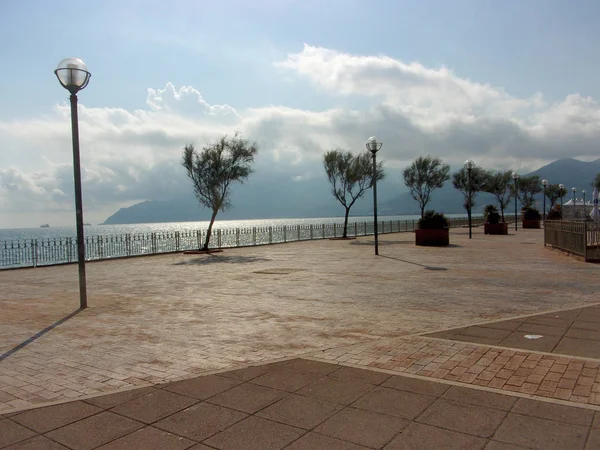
{"x":345,"y":234}
{"x":502,"y":211}
{"x":422,"y":210}
{"x":209,"y":231}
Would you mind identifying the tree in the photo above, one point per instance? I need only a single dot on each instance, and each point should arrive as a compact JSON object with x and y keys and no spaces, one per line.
{"x":554,"y":192}
{"x":350,"y":176}
{"x":460,"y":180}
{"x":423,"y":176}
{"x":498,"y":184}
{"x":596,"y":182}
{"x":527,"y":188}
{"x":213,"y":169}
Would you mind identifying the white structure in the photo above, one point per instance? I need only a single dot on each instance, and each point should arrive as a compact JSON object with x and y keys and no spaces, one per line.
{"x":577,"y":210}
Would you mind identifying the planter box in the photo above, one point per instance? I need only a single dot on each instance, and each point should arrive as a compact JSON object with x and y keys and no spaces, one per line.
{"x":495,"y":228}
{"x":535,"y":223}
{"x":434,"y":238}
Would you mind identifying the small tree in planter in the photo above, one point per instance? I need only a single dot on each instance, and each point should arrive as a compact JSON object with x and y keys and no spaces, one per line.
{"x":492,"y":223}
{"x":555,"y":213}
{"x":433,"y":230}
{"x":531,"y":217}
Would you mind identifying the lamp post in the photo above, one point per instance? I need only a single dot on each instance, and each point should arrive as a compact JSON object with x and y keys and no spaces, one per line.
{"x":373,"y":146}
{"x":73,"y":75}
{"x":469,"y":165}
{"x":584,"y":209}
{"x":544,"y":184}
{"x":574,"y":190}
{"x":515,"y":177}
{"x":561,"y":190}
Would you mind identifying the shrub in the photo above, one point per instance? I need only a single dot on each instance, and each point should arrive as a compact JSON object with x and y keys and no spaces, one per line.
{"x":491,"y":214}
{"x":555,"y":213}
{"x":433,"y":221}
{"x":531,"y":214}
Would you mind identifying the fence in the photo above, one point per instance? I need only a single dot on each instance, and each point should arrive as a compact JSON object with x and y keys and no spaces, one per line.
{"x":577,"y":237}
{"x":49,"y":251}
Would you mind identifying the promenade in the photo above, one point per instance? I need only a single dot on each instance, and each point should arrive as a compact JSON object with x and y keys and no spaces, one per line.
{"x":411,"y":318}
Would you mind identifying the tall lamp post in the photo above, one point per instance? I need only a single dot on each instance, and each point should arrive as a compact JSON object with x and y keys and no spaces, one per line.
{"x":561,"y":190}
{"x":515,"y":177}
{"x":544,"y":184}
{"x":373,"y":146}
{"x":73,"y":75}
{"x":469,"y":165}
{"x":584,"y":208}
{"x":574,"y":190}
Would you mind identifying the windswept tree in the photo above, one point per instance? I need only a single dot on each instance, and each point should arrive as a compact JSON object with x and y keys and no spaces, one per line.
{"x":498,"y":184}
{"x":423,"y":176}
{"x":350,"y":176}
{"x":554,"y":192}
{"x":213,"y":169}
{"x":596,"y":182}
{"x":527,"y":188}
{"x":460,"y":181}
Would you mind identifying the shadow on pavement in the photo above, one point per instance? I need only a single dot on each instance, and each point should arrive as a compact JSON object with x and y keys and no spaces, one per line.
{"x":414,"y":263}
{"x":216,"y":259}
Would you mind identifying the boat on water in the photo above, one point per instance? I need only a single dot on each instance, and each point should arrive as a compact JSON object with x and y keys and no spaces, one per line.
{"x":44,"y":225}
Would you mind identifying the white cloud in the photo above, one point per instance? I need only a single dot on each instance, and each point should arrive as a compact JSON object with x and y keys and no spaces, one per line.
{"x":128,"y":156}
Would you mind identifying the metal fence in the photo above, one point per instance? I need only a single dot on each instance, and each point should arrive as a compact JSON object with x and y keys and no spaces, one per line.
{"x":578,"y":237}
{"x":49,"y":251}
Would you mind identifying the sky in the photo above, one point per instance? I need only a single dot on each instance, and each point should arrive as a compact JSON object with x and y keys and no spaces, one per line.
{"x":510,"y":84}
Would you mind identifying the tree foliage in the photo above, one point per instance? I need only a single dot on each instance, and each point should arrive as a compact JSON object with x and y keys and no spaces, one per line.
{"x":498,"y":184}
{"x":527,"y":188}
{"x":350,"y":176}
{"x":214,"y":168}
{"x":460,"y":181}
{"x":423,"y":176}
{"x":554,"y":192}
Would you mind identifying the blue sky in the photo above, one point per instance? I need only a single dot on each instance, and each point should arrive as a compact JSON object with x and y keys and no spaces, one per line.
{"x":509,"y":61}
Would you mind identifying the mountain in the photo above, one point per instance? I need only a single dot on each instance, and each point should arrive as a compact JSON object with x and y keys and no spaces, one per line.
{"x":277,"y":196}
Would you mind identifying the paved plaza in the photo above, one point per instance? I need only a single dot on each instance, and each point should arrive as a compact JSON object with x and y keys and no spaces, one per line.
{"x":435,"y":315}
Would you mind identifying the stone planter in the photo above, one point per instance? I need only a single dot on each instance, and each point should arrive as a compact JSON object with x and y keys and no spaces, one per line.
{"x":531,"y":223}
{"x":495,"y":228}
{"x":434,"y":238}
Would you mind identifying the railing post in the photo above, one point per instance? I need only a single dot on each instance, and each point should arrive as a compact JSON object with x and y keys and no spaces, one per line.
{"x":298,"y":230}
{"x":323,"y":228}
{"x":34,"y":252}
{"x":153,"y":237}
{"x":99,"y":245}
{"x":177,"y":241}
{"x":585,"y":241}
{"x":311,"y":231}
{"x":270,"y":235}
{"x":365,"y":228}
{"x":69,"y":245}
{"x":355,"y":229}
{"x":382,"y":226}
{"x":128,"y":244}
{"x":285,"y":233}
{"x":253,"y":235}
{"x":219,"y":242}
{"x":237,"y":237}
{"x":334,"y":229}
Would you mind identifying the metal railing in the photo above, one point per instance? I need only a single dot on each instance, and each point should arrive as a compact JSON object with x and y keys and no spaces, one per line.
{"x":50,"y":251}
{"x":576,"y":237}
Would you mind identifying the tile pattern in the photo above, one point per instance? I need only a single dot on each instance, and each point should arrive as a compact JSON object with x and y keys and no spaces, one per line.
{"x":376,"y":410}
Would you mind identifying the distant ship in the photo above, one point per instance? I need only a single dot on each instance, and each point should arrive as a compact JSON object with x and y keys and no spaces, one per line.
{"x":45,"y":225}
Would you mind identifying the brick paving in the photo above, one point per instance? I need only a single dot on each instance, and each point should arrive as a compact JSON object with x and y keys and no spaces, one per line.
{"x":169,"y":317}
{"x":303,"y":404}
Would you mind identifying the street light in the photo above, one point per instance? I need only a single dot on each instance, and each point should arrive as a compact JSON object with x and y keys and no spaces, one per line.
{"x":515,"y":176}
{"x":574,"y":202}
{"x":561,"y":190}
{"x":545,"y":184}
{"x":584,"y":209}
{"x":469,"y":165}
{"x":373,"y":146}
{"x":73,"y":75}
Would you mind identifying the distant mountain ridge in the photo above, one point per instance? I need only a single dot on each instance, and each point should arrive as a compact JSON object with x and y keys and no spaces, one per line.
{"x":280,"y":197}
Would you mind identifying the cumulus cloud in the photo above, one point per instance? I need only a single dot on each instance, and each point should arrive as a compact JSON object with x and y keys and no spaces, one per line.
{"x":133,"y":155}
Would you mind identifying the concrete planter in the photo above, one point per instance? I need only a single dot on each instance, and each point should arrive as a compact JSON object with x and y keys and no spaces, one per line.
{"x":531,"y":223}
{"x":434,"y":238}
{"x":495,"y":228}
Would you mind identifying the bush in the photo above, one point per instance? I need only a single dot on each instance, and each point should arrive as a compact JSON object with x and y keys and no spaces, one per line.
{"x":531,"y":214}
{"x":491,"y":214}
{"x":555,"y":213}
{"x":433,"y":221}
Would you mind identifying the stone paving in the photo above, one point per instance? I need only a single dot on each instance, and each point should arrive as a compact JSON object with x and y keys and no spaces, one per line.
{"x":303,"y":404}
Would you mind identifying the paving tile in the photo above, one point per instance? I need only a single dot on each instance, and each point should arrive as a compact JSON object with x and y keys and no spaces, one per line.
{"x":510,"y":325}
{"x":111,"y":400}
{"x":395,"y":402}
{"x":363,"y":427}
{"x":462,"y":417}
{"x":248,"y":397}
{"x":94,"y":431}
{"x":51,"y":417}
{"x":479,"y":397}
{"x":200,"y":421}
{"x":153,"y":406}
{"x":596,"y":423}
{"x":544,"y":344}
{"x":585,"y":325}
{"x":476,"y":339}
{"x":416,"y":385}
{"x":544,"y":330}
{"x":202,"y":387}
{"x":149,"y":438}
{"x":300,"y":411}
{"x":593,"y":442}
{"x":486,"y":332}
{"x":567,"y":314}
{"x":248,"y":373}
{"x":496,"y":445}
{"x":366,"y":376}
{"x":286,"y":379}
{"x":255,"y":433}
{"x":201,"y":447}
{"x":532,"y":432}
{"x":11,"y":433}
{"x":448,"y":334}
{"x":316,"y":441}
{"x":579,"y":347}
{"x":418,"y":436}
{"x":553,"y":411}
{"x":36,"y":443}
{"x":337,"y":391}
{"x":561,"y":323}
{"x":308,"y":365}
